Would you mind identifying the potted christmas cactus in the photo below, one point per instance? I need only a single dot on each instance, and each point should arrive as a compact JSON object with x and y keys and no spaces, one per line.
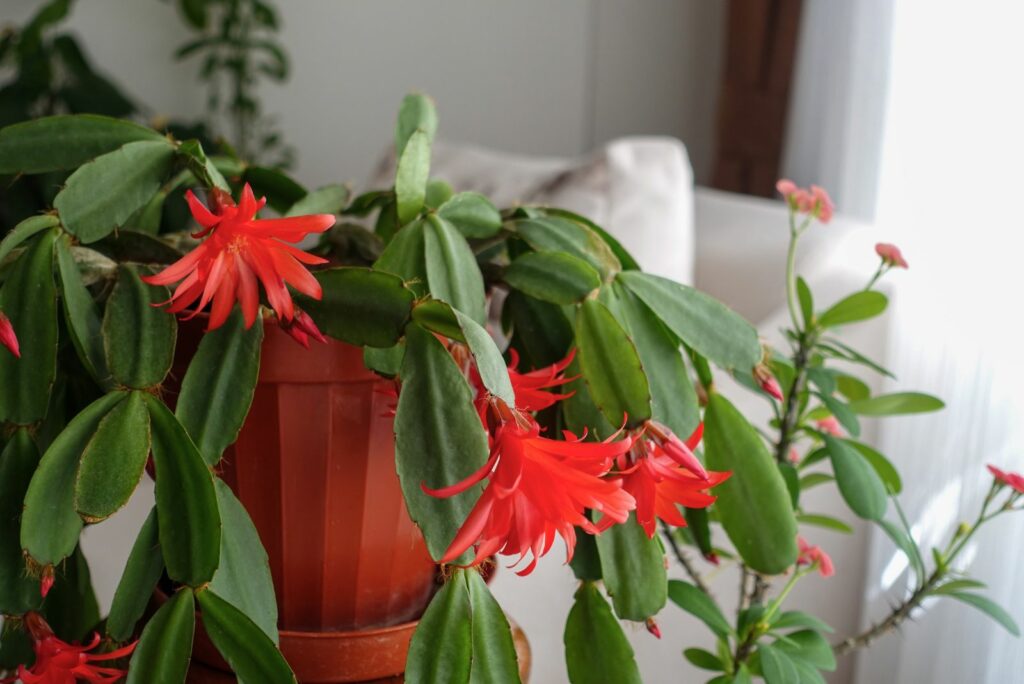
{"x":326,"y":425}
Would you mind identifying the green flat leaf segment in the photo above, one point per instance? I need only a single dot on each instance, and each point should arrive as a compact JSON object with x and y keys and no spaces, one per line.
{"x":596,"y":649}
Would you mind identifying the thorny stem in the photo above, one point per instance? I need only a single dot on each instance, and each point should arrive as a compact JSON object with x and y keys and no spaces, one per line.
{"x":902,"y":610}
{"x":684,"y":560}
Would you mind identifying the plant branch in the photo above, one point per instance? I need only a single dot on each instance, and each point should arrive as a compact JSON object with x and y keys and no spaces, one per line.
{"x":684,"y":560}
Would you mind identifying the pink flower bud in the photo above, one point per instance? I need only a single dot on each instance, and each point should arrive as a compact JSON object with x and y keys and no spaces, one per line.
{"x":46,"y":581}
{"x":831,"y":426}
{"x":652,"y":627}
{"x":891,"y":255}
{"x":7,"y":336}
{"x":794,"y":455}
{"x":786,"y":187}
{"x":822,"y":204}
{"x":768,"y":382}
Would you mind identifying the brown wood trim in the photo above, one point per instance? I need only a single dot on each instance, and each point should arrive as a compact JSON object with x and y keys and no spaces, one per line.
{"x":754,"y":95}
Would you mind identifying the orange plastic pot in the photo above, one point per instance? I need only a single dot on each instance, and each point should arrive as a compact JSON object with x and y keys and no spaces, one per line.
{"x":315,"y":467}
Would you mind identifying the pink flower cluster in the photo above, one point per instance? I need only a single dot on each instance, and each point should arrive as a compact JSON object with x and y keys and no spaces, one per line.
{"x":891,"y":255}
{"x":1013,"y":480}
{"x":813,"y":201}
{"x":810,"y":554}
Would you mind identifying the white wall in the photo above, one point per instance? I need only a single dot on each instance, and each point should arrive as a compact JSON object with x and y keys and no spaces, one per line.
{"x":529,"y":76}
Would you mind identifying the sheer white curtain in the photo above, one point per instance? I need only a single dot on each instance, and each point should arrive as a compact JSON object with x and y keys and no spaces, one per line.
{"x":949,"y":189}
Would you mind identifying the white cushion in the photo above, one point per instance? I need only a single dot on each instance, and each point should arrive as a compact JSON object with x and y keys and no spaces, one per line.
{"x":639,"y":189}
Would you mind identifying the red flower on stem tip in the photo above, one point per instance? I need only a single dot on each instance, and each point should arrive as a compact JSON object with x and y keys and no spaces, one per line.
{"x":530,"y":387}
{"x":1013,"y":480}
{"x":810,"y":554}
{"x":679,"y":451}
{"x":239,"y":252}
{"x":891,"y":255}
{"x":768,"y":382}
{"x":7,"y":336}
{"x":537,"y":487}
{"x":58,"y":662}
{"x":660,"y":485}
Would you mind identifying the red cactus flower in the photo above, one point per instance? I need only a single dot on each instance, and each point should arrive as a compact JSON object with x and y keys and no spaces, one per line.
{"x":529,"y":387}
{"x":1012,"y":480}
{"x":537,"y":487}
{"x":7,"y":336}
{"x":58,"y":662}
{"x":809,"y":555}
{"x":660,"y":485}
{"x":240,"y":252}
{"x":891,"y":255}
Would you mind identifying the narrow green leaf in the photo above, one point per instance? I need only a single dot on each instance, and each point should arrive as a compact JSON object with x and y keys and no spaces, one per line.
{"x":611,"y":366}
{"x":473,"y":215}
{"x":906,"y":544}
{"x":218,"y":387}
{"x":814,"y":479}
{"x":859,"y":306}
{"x":795,"y":618}
{"x":411,"y":177}
{"x":803,"y":294}
{"x":104,"y":193}
{"x":826,"y":521}
{"x":57,"y":143}
{"x":553,"y":277}
{"x":442,"y":646}
{"x":859,"y":483}
{"x":596,"y":650}
{"x":438,"y":438}
{"x":361,"y":306}
{"x":138,"y":337}
{"x":165,"y":649}
{"x":885,"y":469}
{"x":956,"y":585}
{"x":633,"y":567}
{"x":329,"y":199}
{"x":990,"y":608}
{"x":19,"y":592}
{"x":29,"y":300}
{"x":253,"y":657}
{"x":417,"y":113}
{"x":190,"y":525}
{"x":852,"y":388}
{"x":703,"y":659}
{"x":702,"y":322}
{"x":843,"y":413}
{"x":810,"y":647}
{"x":753,"y":505}
{"x":494,"y":653}
{"x":700,"y":605}
{"x":560,"y":235}
{"x":452,"y":271}
{"x":839,"y":350}
{"x":49,"y":524}
{"x":243,"y":576}
{"x":776,"y":666}
{"x":113,"y":461}
{"x":81,"y":315}
{"x":25,"y":230}
{"x":141,"y":574}
{"x":899,"y":403}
